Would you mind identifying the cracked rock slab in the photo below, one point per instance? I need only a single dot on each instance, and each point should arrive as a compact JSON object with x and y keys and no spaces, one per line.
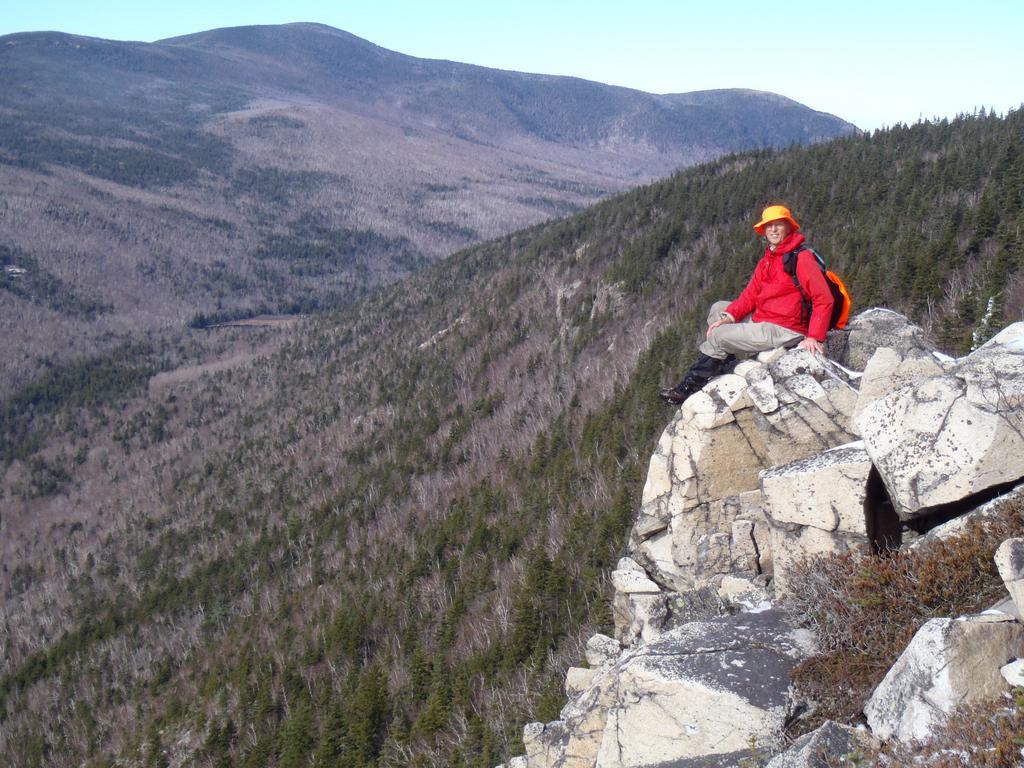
{"x":983,"y":515}
{"x":633,"y":582}
{"x":816,"y":507}
{"x":705,"y":689}
{"x":826,"y":491}
{"x":946,"y":438}
{"x":888,"y":370}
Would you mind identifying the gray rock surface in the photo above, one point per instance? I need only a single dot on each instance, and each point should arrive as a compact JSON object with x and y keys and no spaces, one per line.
{"x":949,"y":662}
{"x":853,"y":346}
{"x":641,"y":618}
{"x":705,"y":689}
{"x":1010,"y":562}
{"x":938,"y":441}
{"x":820,"y":748}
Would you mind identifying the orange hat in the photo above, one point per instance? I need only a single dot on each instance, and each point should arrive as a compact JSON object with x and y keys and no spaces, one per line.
{"x":775,"y":213}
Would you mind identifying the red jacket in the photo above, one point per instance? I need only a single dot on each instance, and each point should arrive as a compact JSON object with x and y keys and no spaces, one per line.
{"x":773,"y":298}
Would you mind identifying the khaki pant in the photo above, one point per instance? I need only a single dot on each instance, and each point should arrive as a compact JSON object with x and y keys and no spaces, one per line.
{"x":745,"y":338}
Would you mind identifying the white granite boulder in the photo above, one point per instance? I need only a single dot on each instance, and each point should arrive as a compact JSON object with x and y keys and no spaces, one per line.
{"x":1010,"y":562}
{"x":853,"y":346}
{"x":1013,"y":673}
{"x":941,"y":440}
{"x":704,"y":689}
{"x":602,"y":651}
{"x":629,"y":578}
{"x":816,"y":506}
{"x":949,"y":662}
{"x":889,"y":369}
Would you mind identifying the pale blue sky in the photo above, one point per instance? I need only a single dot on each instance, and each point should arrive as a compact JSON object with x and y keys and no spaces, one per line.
{"x":874,"y":62}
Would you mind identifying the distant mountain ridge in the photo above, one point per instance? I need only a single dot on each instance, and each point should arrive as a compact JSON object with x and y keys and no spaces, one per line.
{"x":288,"y":168}
{"x":552,"y":107}
{"x":314,"y":60}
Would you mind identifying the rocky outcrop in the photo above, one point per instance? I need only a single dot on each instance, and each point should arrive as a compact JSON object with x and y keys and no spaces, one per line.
{"x":702,"y":689}
{"x":949,"y":662}
{"x":701,"y":512}
{"x":755,"y":474}
{"x":872,"y":330}
{"x":947,"y":437}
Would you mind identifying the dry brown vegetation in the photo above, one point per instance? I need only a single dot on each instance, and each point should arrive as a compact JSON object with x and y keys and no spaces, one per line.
{"x":866,"y":608}
{"x":987,"y":735}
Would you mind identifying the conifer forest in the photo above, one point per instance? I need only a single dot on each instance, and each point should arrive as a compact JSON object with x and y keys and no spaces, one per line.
{"x":377,"y":535}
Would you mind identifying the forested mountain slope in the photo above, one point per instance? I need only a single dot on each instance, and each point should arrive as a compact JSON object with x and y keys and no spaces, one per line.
{"x":291,"y":168}
{"x":377,"y":537}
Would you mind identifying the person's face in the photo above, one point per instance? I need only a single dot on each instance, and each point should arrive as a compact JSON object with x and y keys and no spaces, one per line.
{"x":776,"y":231}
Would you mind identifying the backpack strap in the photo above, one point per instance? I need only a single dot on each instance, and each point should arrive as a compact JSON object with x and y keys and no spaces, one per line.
{"x":789,"y":265}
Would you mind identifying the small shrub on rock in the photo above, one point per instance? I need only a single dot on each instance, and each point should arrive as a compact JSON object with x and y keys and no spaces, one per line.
{"x":987,"y":735}
{"x":866,"y":608}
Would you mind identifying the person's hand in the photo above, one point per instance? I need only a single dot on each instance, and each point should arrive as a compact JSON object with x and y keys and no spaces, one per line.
{"x":813,"y":346}
{"x":723,"y":320}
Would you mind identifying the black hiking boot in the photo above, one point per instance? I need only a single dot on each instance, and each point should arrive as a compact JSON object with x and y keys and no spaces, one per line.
{"x":701,"y":372}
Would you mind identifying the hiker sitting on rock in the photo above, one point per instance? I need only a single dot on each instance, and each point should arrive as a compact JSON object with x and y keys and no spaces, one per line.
{"x":770,"y":312}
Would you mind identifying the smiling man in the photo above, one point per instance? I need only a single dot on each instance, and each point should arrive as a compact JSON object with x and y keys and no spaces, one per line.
{"x":770,"y":312}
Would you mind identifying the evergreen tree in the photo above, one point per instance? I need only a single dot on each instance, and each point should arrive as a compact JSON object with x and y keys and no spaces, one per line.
{"x":368,"y":716}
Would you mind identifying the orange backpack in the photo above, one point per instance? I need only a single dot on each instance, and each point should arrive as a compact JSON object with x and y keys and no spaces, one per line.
{"x":841,"y":301}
